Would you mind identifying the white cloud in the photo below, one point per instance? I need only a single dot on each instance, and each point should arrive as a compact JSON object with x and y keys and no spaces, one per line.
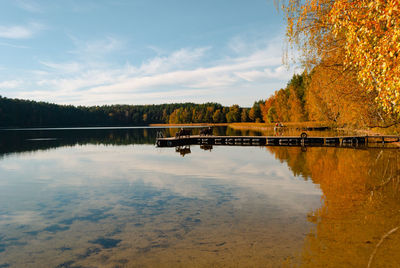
{"x":5,"y":44}
{"x":279,"y":72}
{"x":10,"y":84}
{"x":237,"y":44}
{"x":15,"y":32}
{"x":156,"y":49}
{"x":186,"y":74}
{"x":78,"y":83}
{"x":67,"y":67}
{"x":20,"y":32}
{"x":95,"y":48}
{"x":106,"y":45}
{"x":178,"y":59}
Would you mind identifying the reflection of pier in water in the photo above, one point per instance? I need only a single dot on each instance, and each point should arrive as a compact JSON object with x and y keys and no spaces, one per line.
{"x":303,"y":141}
{"x":185,"y":149}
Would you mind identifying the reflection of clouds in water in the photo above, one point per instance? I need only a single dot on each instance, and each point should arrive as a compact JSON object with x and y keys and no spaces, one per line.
{"x":89,"y":198}
{"x":249,"y":168}
{"x":266,"y":170}
{"x":21,"y":218}
{"x":10,"y":166}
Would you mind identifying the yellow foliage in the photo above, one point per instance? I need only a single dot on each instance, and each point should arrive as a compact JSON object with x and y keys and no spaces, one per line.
{"x":368,"y":33}
{"x":336,"y":95}
{"x":372,"y":33}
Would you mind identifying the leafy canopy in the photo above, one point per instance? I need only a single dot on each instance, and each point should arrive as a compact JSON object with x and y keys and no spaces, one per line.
{"x":366,"y":31}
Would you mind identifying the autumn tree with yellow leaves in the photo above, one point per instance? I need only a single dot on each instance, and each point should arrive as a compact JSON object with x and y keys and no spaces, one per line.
{"x":360,"y":39}
{"x":371,"y":32}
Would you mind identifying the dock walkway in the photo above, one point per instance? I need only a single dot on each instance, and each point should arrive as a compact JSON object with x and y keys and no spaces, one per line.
{"x":303,"y":140}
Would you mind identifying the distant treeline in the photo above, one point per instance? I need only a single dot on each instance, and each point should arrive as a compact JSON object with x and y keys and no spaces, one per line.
{"x":25,"y":113}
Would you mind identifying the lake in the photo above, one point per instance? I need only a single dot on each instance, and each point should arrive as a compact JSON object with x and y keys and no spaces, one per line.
{"x":109,"y":198}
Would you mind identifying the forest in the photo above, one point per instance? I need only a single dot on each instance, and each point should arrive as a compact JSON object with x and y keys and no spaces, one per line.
{"x":25,"y":113}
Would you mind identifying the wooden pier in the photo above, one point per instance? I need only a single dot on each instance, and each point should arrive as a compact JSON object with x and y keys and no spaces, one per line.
{"x":303,"y":140}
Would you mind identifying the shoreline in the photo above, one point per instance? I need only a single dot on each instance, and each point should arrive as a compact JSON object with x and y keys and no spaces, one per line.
{"x":249,"y":125}
{"x":268,"y":126}
{"x":190,"y":125}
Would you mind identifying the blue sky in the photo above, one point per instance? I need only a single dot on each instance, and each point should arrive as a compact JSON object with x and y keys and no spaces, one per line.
{"x":93,"y":52}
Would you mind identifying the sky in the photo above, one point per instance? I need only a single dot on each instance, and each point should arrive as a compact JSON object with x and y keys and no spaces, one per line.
{"x":95,"y":52}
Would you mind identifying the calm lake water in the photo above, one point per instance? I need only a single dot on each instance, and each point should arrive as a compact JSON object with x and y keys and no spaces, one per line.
{"x":110,"y":198}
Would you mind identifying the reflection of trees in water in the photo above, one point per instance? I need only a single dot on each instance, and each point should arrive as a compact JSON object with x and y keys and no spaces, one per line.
{"x":33,"y":140}
{"x":25,"y":141}
{"x":360,"y":205}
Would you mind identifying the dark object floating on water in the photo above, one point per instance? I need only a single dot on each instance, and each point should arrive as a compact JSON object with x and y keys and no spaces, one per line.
{"x":106,"y":242}
{"x":42,"y":139}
